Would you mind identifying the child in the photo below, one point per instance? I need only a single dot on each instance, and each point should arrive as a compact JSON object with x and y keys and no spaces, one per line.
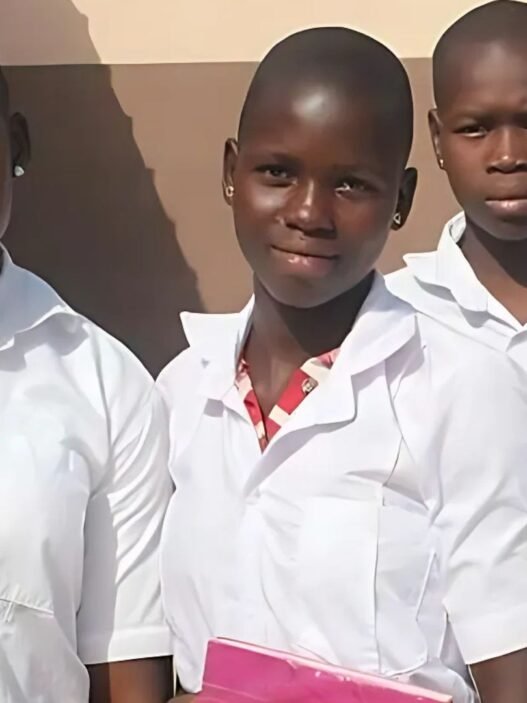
{"x":476,"y":281}
{"x":83,"y":490}
{"x":331,"y":499}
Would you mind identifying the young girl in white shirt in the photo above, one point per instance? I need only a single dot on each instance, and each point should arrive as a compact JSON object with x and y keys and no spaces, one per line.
{"x":83,"y":490}
{"x":345,"y":487}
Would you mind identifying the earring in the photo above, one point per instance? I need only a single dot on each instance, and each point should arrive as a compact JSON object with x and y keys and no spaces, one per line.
{"x":397,"y":219}
{"x":229,"y":191}
{"x":18,"y":171}
{"x":441,"y":164}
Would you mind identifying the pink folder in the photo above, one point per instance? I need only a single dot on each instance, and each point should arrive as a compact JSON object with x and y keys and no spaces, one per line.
{"x":236,"y":672}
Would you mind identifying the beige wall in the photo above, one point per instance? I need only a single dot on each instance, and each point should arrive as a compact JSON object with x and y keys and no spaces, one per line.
{"x":175,"y":31}
{"x":129,"y":103}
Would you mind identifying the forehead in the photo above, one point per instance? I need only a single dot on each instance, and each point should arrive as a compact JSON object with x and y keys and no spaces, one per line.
{"x":487,"y":76}
{"x":321,"y":115}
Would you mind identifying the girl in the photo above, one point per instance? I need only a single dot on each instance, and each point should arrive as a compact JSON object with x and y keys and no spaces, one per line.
{"x":332,"y":499}
{"x":83,"y":490}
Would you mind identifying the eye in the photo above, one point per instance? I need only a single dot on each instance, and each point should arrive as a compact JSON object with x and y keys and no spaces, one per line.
{"x":275,"y":173}
{"x":472,"y":130}
{"x":352,"y":185}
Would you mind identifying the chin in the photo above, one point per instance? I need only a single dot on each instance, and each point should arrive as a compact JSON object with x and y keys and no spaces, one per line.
{"x":508,"y":230}
{"x":300,"y":295}
{"x":503,"y":227}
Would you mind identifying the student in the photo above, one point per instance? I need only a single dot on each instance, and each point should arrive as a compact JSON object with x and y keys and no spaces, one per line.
{"x":83,"y":490}
{"x":476,"y":281}
{"x":331,"y":498}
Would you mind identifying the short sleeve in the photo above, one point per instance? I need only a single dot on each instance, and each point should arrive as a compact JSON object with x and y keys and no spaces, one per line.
{"x":121,"y":615}
{"x":479,"y":490}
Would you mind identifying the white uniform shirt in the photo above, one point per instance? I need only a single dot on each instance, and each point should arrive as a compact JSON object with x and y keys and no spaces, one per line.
{"x":385,"y":525}
{"x":443,"y":285}
{"x":83,"y":490}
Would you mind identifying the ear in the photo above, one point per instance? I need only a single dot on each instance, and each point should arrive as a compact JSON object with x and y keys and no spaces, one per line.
{"x":20,"y":141}
{"x":434,"y":125}
{"x":406,"y":196}
{"x":230,"y":157}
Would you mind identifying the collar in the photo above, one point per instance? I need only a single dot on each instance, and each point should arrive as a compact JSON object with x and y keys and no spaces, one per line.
{"x":26,"y":301}
{"x":384,"y":325}
{"x":447,"y":268}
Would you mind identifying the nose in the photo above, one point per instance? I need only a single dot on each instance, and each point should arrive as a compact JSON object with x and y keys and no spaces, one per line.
{"x":309,"y":209}
{"x":509,"y":151}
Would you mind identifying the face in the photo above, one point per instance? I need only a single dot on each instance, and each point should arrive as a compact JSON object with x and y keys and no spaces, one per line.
{"x":316,"y":183}
{"x":480,"y":133}
{"x":14,"y":150}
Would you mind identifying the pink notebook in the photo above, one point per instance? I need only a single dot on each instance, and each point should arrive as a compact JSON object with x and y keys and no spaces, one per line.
{"x":236,"y":672}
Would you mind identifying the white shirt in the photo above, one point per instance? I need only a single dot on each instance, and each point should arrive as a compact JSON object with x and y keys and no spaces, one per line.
{"x":83,"y":490}
{"x":443,"y":285}
{"x":384,"y":527}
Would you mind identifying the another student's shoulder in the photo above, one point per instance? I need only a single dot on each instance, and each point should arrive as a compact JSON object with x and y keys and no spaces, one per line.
{"x":119,"y":370}
{"x":119,"y":387}
{"x":465,"y":370}
{"x":403,"y":285}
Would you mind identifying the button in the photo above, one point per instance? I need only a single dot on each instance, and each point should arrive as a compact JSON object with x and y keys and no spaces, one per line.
{"x":308,"y":385}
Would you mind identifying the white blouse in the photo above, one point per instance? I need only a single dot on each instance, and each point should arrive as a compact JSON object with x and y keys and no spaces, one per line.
{"x":384,"y":527}
{"x":83,"y":490}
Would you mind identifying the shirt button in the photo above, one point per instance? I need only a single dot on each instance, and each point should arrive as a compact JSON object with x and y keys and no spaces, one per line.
{"x":308,"y":385}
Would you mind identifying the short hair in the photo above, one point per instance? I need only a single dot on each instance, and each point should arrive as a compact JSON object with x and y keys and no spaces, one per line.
{"x":500,"y":20}
{"x":338,"y":57}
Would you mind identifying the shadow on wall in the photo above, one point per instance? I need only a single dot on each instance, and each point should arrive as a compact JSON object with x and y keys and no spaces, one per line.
{"x":87,"y":216}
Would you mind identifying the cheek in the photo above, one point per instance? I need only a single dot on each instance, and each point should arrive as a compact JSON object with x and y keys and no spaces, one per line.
{"x":464,"y":165}
{"x":364,"y":229}
{"x":261,"y":201}
{"x":255,"y":209}
{"x":369,"y":218}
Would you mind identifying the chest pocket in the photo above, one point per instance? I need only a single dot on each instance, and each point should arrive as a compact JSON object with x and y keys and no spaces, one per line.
{"x":361,"y":569}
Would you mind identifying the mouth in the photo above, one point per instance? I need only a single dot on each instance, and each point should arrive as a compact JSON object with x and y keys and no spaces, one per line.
{"x":305,"y":263}
{"x":508,"y":207}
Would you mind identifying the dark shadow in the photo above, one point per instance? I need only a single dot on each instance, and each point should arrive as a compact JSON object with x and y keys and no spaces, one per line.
{"x":87,"y":215}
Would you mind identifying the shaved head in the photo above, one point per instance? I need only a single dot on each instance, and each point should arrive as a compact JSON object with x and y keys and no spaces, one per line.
{"x":500,"y":22}
{"x":337,"y":59}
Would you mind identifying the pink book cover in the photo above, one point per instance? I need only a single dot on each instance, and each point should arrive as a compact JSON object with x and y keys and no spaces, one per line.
{"x":236,"y":672}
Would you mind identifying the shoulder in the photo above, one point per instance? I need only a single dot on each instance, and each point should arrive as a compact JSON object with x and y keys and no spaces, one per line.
{"x":401,"y":282}
{"x":453,"y":353}
{"x":119,"y":368}
{"x":477,"y":395}
{"x":185,"y":361}
{"x":179,"y":375}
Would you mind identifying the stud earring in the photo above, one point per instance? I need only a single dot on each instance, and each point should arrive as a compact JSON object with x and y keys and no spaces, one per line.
{"x":18,"y":171}
{"x":441,"y":164}
{"x":397,"y":219}
{"x":229,"y":191}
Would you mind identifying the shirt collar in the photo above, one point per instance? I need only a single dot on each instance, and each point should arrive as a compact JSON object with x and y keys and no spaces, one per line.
{"x":26,"y":301}
{"x":382,"y":327}
{"x":448,"y":268}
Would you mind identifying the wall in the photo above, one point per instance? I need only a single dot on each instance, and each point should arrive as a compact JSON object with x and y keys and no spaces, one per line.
{"x":129,"y":103}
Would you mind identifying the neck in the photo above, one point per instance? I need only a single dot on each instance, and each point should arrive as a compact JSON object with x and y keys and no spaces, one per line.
{"x":500,"y":265}
{"x":293,"y":335}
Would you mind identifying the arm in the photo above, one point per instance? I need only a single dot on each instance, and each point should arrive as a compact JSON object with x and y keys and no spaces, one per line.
{"x":122,"y":635}
{"x":481,"y":521}
{"x":137,"y":681}
{"x":502,"y":680}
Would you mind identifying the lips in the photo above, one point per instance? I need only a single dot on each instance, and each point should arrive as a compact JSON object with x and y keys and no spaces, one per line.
{"x":508,"y":206}
{"x":305,"y":263}
{"x":305,"y":252}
